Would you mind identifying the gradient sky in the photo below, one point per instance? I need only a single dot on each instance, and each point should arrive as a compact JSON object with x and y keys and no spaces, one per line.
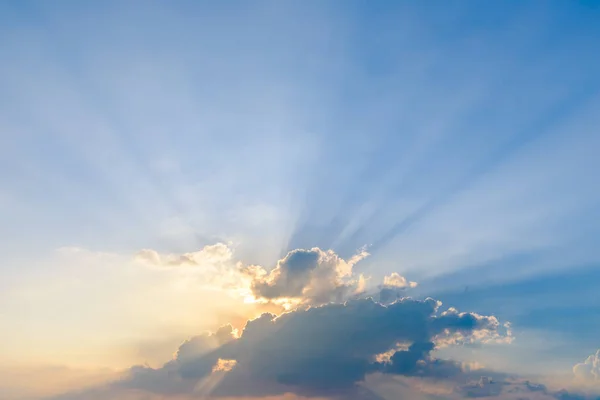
{"x":455,"y":142}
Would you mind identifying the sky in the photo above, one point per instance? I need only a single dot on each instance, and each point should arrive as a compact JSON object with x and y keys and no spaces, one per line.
{"x":299,"y":200}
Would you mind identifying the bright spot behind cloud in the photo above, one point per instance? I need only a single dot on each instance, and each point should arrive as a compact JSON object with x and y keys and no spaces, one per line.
{"x":224,"y":365}
{"x":327,"y":349}
{"x":304,"y":276}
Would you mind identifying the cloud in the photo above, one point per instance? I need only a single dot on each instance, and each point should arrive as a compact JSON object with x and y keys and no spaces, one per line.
{"x":589,"y":370}
{"x":326,"y":346}
{"x":488,"y":384}
{"x":310,"y":276}
{"x":303,"y":277}
{"x":324,"y":350}
{"x":202,"y":344}
{"x":213,"y":267}
{"x":490,"y":331}
{"x":207,"y":256}
{"x":479,"y":384}
{"x":224,"y":365}
{"x":398,"y":281}
{"x":393,"y":287}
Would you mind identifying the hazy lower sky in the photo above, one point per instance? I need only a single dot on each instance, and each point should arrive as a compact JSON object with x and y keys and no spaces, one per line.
{"x":174,"y":168}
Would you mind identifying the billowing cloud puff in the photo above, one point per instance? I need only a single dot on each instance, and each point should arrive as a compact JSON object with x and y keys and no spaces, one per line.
{"x":490,"y":330}
{"x":398,"y":281}
{"x":393,"y":287}
{"x":304,"y":277}
{"x":589,"y":370}
{"x":310,"y":276}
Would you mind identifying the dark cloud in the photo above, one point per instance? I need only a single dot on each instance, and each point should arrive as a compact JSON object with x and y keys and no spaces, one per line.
{"x":565,"y":395}
{"x":320,"y":350}
{"x":394,"y":287}
{"x":416,"y":361}
{"x":484,"y":387}
{"x":326,"y":347}
{"x":510,"y":387}
{"x":199,"y":345}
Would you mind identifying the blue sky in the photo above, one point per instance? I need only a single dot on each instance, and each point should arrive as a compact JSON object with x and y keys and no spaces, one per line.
{"x":456,"y":142}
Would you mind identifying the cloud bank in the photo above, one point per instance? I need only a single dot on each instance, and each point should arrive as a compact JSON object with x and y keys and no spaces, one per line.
{"x":326,"y":345}
{"x":333,"y":341}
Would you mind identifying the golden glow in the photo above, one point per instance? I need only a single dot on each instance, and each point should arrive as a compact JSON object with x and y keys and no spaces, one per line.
{"x":224,"y":365}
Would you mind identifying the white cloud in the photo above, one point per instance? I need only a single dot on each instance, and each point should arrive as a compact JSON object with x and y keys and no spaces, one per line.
{"x":491,"y":331}
{"x":589,"y":370}
{"x":208,"y":255}
{"x":398,"y":281}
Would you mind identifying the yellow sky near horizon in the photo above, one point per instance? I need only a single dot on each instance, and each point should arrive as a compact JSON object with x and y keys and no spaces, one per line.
{"x":100,"y":310}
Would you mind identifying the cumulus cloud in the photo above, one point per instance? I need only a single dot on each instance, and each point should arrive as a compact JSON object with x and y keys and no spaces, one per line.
{"x":589,"y":370}
{"x":326,"y":347}
{"x":490,"y":331}
{"x":310,"y":276}
{"x":303,"y":277}
{"x":331,"y":351}
{"x":394,"y":287}
{"x":315,"y":351}
{"x":397,"y":281}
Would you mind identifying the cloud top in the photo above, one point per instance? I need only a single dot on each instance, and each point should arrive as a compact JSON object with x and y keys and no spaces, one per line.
{"x":312,"y":276}
{"x":589,"y":370}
